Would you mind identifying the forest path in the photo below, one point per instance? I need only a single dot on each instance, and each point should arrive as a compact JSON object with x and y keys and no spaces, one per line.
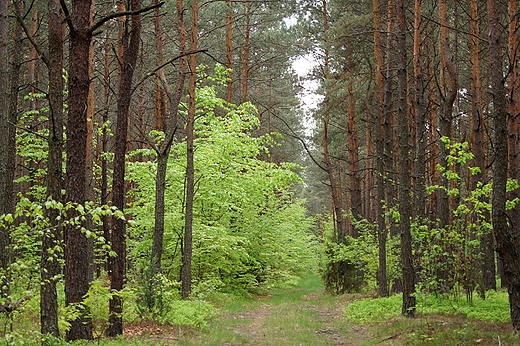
{"x":303,"y":315}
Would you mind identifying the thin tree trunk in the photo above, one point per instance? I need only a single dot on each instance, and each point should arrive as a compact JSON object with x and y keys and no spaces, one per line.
{"x":388,"y":118}
{"x":50,"y":267}
{"x":76,"y":256}
{"x":448,"y":65}
{"x":245,"y":56}
{"x":190,"y":169}
{"x":334,"y":185}
{"x":404,"y":168}
{"x":104,"y":194}
{"x":229,"y":49}
{"x":131,"y":42}
{"x":477,"y":143}
{"x":356,"y":206}
{"x":379,"y":146}
{"x":164,"y":151}
{"x":420,"y":119}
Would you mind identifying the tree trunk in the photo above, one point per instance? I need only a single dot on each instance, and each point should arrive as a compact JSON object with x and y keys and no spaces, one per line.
{"x":404,"y":168}
{"x":76,"y":244}
{"x":8,"y":121}
{"x":448,"y":65}
{"x":379,"y":154}
{"x":245,"y":56}
{"x":131,"y":42}
{"x":104,"y":194}
{"x":356,"y":205}
{"x":335,"y":191}
{"x":164,"y":151}
{"x":420,"y":120}
{"x":507,"y":244}
{"x":229,"y":49}
{"x":190,"y":169}
{"x":388,"y":119}
{"x":514,"y":114}
{"x":50,"y":267}
{"x":477,"y":143}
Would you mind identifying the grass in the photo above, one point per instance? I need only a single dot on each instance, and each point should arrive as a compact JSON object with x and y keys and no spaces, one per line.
{"x":307,"y":315}
{"x":440,"y":321}
{"x":493,"y":309}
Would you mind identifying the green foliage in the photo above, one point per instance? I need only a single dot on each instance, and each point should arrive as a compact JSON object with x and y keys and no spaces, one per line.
{"x":448,"y":258}
{"x":249,"y":233}
{"x":494,"y":309}
{"x":355,"y":263}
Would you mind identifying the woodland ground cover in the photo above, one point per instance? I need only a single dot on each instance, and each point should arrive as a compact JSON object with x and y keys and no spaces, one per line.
{"x":306,"y":314}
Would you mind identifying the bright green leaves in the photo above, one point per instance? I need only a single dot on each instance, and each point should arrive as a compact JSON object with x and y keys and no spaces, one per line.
{"x":249,"y":233}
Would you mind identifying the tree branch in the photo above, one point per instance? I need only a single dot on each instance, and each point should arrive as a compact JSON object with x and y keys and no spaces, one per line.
{"x":67,"y":15}
{"x":121,"y":14}
{"x":31,"y":38}
{"x":154,"y":71}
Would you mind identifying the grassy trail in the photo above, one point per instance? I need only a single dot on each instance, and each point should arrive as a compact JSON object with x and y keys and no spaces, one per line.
{"x":304,"y":315}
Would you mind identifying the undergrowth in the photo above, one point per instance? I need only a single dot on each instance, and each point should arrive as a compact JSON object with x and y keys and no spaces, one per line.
{"x":495,"y":308}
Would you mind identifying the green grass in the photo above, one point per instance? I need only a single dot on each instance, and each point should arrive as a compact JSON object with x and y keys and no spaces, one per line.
{"x":307,"y":315}
{"x":495,"y":308}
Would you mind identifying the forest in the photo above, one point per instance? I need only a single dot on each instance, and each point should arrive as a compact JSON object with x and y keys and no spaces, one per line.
{"x":157,"y":156}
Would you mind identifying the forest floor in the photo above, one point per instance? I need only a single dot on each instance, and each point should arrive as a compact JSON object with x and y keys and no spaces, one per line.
{"x":307,"y":315}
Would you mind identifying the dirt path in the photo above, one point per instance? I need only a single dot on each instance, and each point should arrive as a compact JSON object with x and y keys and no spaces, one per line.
{"x":300,"y":316}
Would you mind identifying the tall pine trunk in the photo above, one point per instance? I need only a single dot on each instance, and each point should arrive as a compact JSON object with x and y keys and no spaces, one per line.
{"x":76,"y":244}
{"x":190,"y":167}
{"x":420,"y":119}
{"x":408,"y":308}
{"x":131,"y":42}
{"x":507,"y":245}
{"x":50,"y":267}
{"x":379,"y":153}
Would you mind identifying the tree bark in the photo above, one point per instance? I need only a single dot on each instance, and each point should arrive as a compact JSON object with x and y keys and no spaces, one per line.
{"x":229,"y":49}
{"x":8,"y":120}
{"x":477,"y":143}
{"x":379,"y":147}
{"x":409,"y":303}
{"x":356,"y":205}
{"x":335,"y":191}
{"x":420,"y":119}
{"x":131,"y":42}
{"x":164,"y":151}
{"x":388,"y":117}
{"x":76,"y":244}
{"x":245,"y":56}
{"x":190,"y":169}
{"x":514,"y":114}
{"x":50,"y":267}
{"x":450,"y":85}
{"x":507,"y":243}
